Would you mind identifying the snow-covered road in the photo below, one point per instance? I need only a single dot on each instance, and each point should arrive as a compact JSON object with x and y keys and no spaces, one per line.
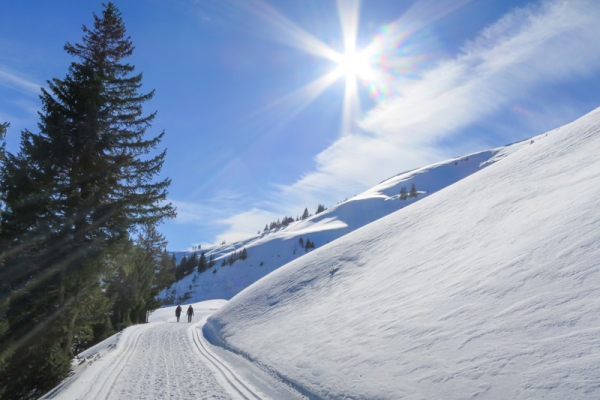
{"x":165,"y":359}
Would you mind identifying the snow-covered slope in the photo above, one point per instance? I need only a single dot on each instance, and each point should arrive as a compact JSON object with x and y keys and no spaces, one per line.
{"x":271,"y":250}
{"x":489,"y":288}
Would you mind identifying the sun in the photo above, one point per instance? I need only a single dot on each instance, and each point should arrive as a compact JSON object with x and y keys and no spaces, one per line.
{"x":353,"y":65}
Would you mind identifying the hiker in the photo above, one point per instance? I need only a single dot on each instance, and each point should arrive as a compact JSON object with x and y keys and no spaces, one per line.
{"x":178,"y":312}
{"x":190,"y":313}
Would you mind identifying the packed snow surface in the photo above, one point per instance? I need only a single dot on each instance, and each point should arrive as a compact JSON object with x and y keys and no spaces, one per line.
{"x":166,"y":359}
{"x":489,"y":288}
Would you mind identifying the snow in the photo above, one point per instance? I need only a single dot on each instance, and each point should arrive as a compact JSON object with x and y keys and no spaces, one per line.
{"x":167,"y":359}
{"x":275,"y":248}
{"x":486,"y":287}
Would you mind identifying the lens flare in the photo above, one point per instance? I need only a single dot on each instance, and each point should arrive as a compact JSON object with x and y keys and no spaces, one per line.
{"x":396,"y":54}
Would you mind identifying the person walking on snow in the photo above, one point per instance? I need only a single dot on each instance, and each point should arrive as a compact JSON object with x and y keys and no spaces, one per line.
{"x":178,"y":312}
{"x":190,"y":313}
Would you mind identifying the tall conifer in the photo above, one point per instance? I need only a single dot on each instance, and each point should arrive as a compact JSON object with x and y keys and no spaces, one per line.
{"x":84,"y":183}
{"x":202,"y":263}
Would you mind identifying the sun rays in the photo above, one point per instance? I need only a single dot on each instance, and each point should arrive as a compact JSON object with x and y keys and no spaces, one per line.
{"x":392,"y":56}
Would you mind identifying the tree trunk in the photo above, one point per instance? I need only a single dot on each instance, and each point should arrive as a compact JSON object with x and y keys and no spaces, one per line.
{"x":68,"y":345}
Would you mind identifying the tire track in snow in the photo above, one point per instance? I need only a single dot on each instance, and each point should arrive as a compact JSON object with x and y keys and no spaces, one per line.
{"x":230,"y":377}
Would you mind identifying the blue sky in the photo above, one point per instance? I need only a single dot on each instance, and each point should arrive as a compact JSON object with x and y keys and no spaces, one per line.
{"x":262,"y":122}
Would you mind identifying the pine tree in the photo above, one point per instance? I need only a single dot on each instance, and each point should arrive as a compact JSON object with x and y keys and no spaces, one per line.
{"x":309,"y":245}
{"x":133,"y":285}
{"x":305,"y":214}
{"x":413,"y":191}
{"x":3,"y":128}
{"x":193,"y":263}
{"x":320,"y":209}
{"x":181,"y":268}
{"x":76,"y":189}
{"x":166,"y":272}
{"x":403,"y":193}
{"x":202,"y":264}
{"x":232,"y":257}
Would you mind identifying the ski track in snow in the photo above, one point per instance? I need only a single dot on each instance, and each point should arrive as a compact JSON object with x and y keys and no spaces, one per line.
{"x":221,"y":368}
{"x":160,"y":360}
{"x":165,"y":365}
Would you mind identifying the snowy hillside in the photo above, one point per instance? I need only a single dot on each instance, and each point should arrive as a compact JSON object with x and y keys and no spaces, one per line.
{"x":489,"y":288}
{"x":272,"y":249}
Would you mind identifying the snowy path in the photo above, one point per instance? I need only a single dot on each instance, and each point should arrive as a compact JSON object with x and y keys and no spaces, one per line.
{"x":167,"y":360}
{"x":158,"y":361}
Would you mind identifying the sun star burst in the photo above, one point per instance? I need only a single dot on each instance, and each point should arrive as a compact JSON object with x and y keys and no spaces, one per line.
{"x":353,"y":65}
{"x":391,"y":57}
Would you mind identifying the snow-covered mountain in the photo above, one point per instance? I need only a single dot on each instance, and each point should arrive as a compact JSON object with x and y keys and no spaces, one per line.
{"x":489,"y":288}
{"x":272,"y":249}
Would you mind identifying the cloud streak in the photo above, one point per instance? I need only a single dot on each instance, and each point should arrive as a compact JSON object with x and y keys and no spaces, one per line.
{"x":553,"y":42}
{"x":21,"y":84}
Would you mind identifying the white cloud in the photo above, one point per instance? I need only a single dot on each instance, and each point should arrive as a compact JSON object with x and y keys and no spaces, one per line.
{"x":242,"y":225}
{"x":23,"y":84}
{"x":220,"y":206}
{"x":188,"y":212}
{"x":547,"y":43}
{"x":223,"y":210}
{"x":554,"y":42}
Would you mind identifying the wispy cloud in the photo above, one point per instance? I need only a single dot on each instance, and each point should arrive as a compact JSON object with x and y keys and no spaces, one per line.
{"x":223,"y":213}
{"x":240,"y":226}
{"x":208,"y":210}
{"x":20,"y":83}
{"x":548,"y":43}
{"x":27,"y":105}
